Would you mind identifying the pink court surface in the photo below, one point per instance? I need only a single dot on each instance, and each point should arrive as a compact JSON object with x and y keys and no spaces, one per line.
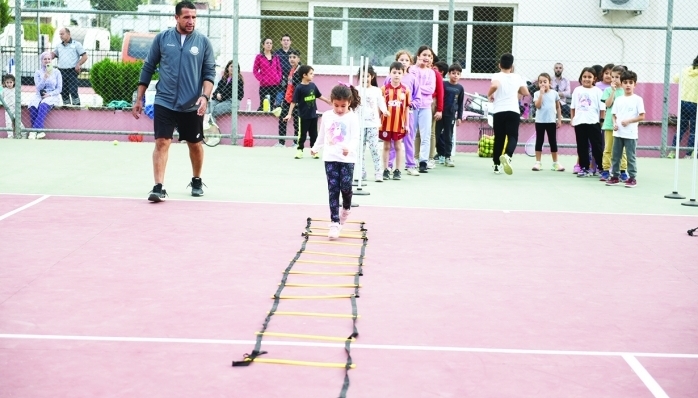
{"x":109,"y":297}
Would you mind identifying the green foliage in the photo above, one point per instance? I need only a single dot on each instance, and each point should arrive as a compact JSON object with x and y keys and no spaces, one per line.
{"x":116,"y":5}
{"x":30,"y":31}
{"x":5,"y":17}
{"x":116,"y":81}
{"x":115,"y":43}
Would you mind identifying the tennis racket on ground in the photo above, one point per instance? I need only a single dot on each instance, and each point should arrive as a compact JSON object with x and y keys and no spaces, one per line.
{"x":530,"y":147}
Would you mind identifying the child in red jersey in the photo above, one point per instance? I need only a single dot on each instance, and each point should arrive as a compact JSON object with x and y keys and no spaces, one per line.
{"x":394,"y":124}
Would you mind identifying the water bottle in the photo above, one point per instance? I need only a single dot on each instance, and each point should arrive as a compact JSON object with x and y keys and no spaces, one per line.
{"x":266,"y":105}
{"x":249,"y":105}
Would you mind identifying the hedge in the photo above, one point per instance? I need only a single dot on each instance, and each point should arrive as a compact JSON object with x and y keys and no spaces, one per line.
{"x":116,"y":81}
{"x":30,"y":31}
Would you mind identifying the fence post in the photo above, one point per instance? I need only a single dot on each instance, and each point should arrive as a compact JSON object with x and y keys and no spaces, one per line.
{"x":451,"y":20}
{"x":667,"y":76}
{"x":236,"y":63}
{"x":18,"y":69}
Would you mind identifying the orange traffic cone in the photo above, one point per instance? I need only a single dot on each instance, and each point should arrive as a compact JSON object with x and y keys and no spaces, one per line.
{"x":248,"y":141}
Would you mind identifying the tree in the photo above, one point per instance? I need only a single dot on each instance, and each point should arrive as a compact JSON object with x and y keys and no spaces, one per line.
{"x":5,"y":17}
{"x":116,"y":5}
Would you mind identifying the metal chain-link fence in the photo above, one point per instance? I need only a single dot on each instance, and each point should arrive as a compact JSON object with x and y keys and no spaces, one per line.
{"x":654,"y":39}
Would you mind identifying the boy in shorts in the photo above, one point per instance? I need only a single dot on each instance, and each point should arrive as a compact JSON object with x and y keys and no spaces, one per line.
{"x":394,"y":124}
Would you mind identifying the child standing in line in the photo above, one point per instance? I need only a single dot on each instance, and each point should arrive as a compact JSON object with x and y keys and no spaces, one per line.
{"x":395,"y":123}
{"x":609,"y":96}
{"x":628,"y":111}
{"x":339,"y":135}
{"x":412,"y":85}
{"x":293,"y":80}
{"x":586,"y":111}
{"x":548,"y":120}
{"x":8,"y":95}
{"x":451,"y":116}
{"x":426,"y":80}
{"x":372,"y":110}
{"x":605,"y":78}
{"x":304,"y":97}
{"x":505,"y":88}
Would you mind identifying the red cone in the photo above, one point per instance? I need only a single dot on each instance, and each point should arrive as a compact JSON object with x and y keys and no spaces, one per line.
{"x":248,"y":141}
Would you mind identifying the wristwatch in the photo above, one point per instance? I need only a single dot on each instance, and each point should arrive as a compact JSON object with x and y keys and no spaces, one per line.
{"x":206,"y":96}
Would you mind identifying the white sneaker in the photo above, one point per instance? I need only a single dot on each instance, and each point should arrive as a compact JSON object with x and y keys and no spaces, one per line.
{"x":431,"y":164}
{"x":10,"y":134}
{"x":279,"y":145}
{"x":40,"y":136}
{"x":497,"y":169}
{"x":32,"y":135}
{"x":506,"y":164}
{"x":343,"y":215}
{"x":536,"y":166}
{"x":413,"y":172}
{"x":379,"y":177}
{"x":335,"y":227}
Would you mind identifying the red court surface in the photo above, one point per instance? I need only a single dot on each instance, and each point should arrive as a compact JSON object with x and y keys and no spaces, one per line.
{"x":118,"y":297}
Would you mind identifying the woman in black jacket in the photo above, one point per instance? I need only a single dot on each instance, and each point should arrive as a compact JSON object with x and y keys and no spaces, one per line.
{"x":221,"y":99}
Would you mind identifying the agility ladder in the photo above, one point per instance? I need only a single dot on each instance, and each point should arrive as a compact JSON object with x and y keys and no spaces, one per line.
{"x":318,"y":238}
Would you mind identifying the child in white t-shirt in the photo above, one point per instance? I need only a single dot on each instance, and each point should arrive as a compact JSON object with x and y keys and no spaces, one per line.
{"x":339,"y":135}
{"x":585,"y":111}
{"x":372,"y":110}
{"x":548,"y":120}
{"x":628,"y":111}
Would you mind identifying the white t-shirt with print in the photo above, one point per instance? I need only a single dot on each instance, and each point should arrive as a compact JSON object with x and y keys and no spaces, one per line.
{"x":587,"y":105}
{"x":336,"y":133}
{"x":506,"y":98}
{"x":627,"y":107}
{"x":372,"y":103}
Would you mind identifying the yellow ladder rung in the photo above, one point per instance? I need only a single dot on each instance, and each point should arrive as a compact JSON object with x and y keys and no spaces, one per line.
{"x":328,"y":262}
{"x":326,"y":220}
{"x":345,"y":230}
{"x":319,"y":285}
{"x":330,"y":254}
{"x":321,"y":273}
{"x":340,"y":235}
{"x":324,"y":242}
{"x":336,"y":296}
{"x":301,"y":363}
{"x":305,"y":336}
{"x":317,"y":314}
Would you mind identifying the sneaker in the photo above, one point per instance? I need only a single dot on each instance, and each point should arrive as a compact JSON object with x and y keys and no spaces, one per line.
{"x":279,"y":145}
{"x":423,"y":167}
{"x":631,"y":183}
{"x":613,"y":181}
{"x":32,"y":135}
{"x":595,"y":172}
{"x":343,"y":215}
{"x":557,"y":167}
{"x":623,"y":176}
{"x":195,"y":185}
{"x":411,"y":171}
{"x":157,"y":194}
{"x":316,"y":156}
{"x":497,"y":169}
{"x":536,"y":166}
{"x":333,"y":233}
{"x":299,"y":154}
{"x":397,"y":175}
{"x":671,"y":155}
{"x":583,"y":173}
{"x":605,"y":175}
{"x":576,"y":169}
{"x":378,"y":177}
{"x":506,"y":164}
{"x":441,"y":160}
{"x":449,"y":163}
{"x":386,"y":174}
{"x":431,"y":163}
{"x":40,"y":136}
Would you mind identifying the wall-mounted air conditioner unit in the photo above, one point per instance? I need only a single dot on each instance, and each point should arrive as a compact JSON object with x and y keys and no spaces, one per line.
{"x":634,"y":6}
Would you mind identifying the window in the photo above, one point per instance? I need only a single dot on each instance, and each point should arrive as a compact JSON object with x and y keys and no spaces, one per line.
{"x":460,"y":38}
{"x":297,"y":29}
{"x":490,"y":42}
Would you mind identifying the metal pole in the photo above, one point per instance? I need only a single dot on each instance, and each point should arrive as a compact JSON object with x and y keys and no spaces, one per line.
{"x":665,"y":106}
{"x":692,"y":200}
{"x":18,"y":69}
{"x":236,"y":107}
{"x":667,"y":73}
{"x":451,"y":20}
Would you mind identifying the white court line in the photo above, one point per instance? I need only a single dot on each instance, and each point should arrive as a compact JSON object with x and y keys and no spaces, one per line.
{"x":364,"y":205}
{"x":28,"y":205}
{"x":645,"y":376}
{"x":353,"y":346}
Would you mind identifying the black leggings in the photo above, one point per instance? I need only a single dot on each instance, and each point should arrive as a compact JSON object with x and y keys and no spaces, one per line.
{"x":587,"y":134}
{"x":308,"y":127}
{"x":551,"y":129}
{"x":505,"y":125}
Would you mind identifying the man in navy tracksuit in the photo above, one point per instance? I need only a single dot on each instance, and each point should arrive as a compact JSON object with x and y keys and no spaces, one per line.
{"x":187,"y":69}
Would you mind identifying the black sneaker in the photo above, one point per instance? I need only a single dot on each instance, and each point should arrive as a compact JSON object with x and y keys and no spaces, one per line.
{"x":423,"y":167}
{"x":386,"y":174}
{"x":195,"y":185}
{"x":396,"y":174}
{"x":157,"y":194}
